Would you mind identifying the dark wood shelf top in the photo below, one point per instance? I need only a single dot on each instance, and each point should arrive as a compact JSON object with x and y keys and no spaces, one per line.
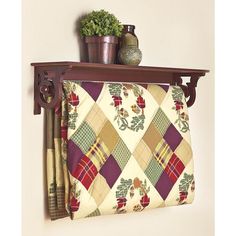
{"x":48,"y":77}
{"x":97,"y":66}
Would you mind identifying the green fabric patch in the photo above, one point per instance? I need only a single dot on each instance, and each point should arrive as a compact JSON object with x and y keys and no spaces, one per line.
{"x":153,"y":171}
{"x":161,"y":121}
{"x":84,"y":137}
{"x":121,"y":153}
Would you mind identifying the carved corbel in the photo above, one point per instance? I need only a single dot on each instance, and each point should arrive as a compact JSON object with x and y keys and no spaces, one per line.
{"x":190,"y":88}
{"x":47,"y":87}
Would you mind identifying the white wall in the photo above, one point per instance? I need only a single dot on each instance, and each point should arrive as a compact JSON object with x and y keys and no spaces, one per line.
{"x":171,"y":33}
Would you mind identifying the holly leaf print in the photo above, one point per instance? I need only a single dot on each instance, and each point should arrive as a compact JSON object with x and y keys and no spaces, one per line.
{"x":72,"y":119}
{"x":115,"y":89}
{"x":137,"y":123}
{"x":182,"y":117}
{"x":136,"y":90}
{"x":185,"y":182}
{"x":177,"y":93}
{"x":123,"y":188}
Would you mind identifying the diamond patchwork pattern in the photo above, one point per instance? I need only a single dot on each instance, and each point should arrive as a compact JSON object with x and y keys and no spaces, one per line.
{"x":96,"y":119}
{"x":110,"y":171}
{"x":164,"y":185}
{"x":99,"y":189}
{"x":98,"y":153}
{"x":127,"y":152}
{"x":142,"y":154}
{"x":153,"y":171}
{"x":85,"y":172}
{"x":121,"y":154}
{"x":152,"y":137}
{"x":109,"y":135}
{"x":161,"y":121}
{"x":174,"y":168}
{"x":162,"y":153}
{"x":84,"y":137}
{"x":172,"y":137}
{"x":184,"y":152}
{"x":74,"y":155}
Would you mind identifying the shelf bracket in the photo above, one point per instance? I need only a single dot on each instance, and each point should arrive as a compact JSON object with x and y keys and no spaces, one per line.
{"x":190,"y":88}
{"x":47,"y":87}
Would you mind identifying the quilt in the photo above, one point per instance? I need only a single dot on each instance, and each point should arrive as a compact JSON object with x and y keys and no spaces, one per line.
{"x":116,"y":148}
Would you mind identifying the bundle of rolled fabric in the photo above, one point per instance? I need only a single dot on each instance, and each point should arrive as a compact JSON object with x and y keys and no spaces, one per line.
{"x":116,"y":148}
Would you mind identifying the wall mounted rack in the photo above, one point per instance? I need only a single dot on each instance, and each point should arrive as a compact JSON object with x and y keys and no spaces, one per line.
{"x":48,"y":77}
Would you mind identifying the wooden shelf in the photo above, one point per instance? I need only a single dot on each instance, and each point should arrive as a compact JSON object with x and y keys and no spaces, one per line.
{"x":48,"y":77}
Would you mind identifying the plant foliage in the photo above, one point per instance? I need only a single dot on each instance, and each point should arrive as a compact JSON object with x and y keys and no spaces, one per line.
{"x":100,"y":23}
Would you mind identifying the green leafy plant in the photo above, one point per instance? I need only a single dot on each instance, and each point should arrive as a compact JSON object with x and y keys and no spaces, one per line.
{"x":100,"y":23}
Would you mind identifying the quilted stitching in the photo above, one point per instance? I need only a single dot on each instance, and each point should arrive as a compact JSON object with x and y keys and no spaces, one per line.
{"x":154,"y":171}
{"x":161,"y":121}
{"x":130,"y":152}
{"x":84,"y":137}
{"x":121,"y":153}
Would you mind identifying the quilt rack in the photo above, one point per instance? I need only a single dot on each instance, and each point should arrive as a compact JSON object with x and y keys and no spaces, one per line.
{"x":48,"y":77}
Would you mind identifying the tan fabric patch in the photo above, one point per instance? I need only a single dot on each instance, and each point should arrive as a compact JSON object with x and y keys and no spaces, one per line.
{"x":184,"y":152}
{"x":152,"y":137}
{"x":51,"y":175}
{"x":157,"y":92}
{"x":142,"y":154}
{"x":109,"y":136}
{"x":99,"y":189}
{"x":96,"y":119}
{"x":58,"y":163}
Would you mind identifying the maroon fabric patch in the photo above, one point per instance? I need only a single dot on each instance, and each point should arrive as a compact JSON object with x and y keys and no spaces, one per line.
{"x":172,"y":137}
{"x":93,"y":89}
{"x":110,"y":171}
{"x":164,"y":185}
{"x":74,"y":155}
{"x":85,"y":172}
{"x":165,"y":87}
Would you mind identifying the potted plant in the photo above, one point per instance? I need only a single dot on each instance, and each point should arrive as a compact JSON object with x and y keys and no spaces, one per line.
{"x":101,"y":30}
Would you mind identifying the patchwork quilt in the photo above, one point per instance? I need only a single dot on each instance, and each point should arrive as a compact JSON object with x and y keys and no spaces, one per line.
{"x":116,"y":148}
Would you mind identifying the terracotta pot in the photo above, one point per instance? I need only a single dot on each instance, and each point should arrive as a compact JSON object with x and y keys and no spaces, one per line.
{"x":102,"y":49}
